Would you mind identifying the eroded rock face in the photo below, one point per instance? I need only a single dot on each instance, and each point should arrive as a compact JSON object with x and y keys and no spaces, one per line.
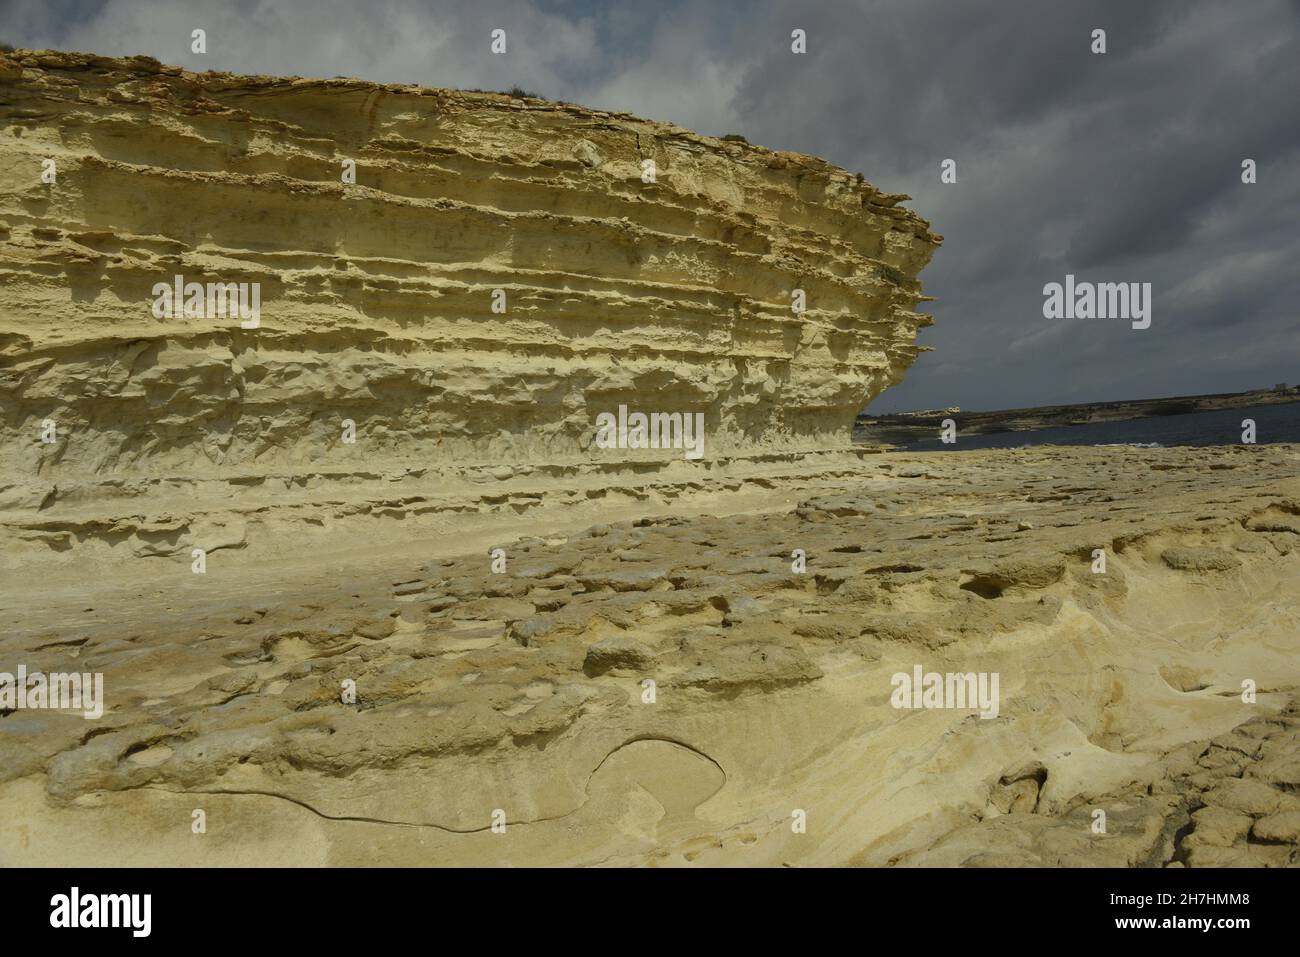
{"x":376,"y":299}
{"x":674,"y":659}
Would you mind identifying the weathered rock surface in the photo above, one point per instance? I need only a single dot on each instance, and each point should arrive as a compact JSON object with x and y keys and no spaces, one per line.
{"x":377,"y":298}
{"x":653,"y":677}
{"x":526,"y":691}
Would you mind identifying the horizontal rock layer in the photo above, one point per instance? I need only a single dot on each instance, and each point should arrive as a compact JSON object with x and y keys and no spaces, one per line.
{"x":376,"y":298}
{"x":523,"y":690}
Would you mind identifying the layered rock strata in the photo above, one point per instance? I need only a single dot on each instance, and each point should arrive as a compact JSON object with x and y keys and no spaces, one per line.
{"x":354,"y":679}
{"x":379,"y":299}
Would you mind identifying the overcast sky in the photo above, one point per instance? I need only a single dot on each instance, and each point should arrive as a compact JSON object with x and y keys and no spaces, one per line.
{"x":1122,"y":167}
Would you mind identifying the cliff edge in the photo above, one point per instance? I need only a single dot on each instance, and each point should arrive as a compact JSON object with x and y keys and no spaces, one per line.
{"x":500,"y":272}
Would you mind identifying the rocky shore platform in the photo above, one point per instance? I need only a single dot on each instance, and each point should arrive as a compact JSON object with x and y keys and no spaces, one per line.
{"x":352,"y":578}
{"x":696,"y":674}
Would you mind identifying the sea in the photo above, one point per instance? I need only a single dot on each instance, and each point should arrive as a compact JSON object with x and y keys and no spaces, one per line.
{"x":1273,"y":423}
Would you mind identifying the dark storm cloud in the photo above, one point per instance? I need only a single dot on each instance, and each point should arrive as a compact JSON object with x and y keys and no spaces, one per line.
{"x":1122,"y":167}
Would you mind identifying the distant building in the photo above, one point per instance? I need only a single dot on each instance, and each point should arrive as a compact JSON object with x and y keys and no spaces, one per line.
{"x":1280,"y":387}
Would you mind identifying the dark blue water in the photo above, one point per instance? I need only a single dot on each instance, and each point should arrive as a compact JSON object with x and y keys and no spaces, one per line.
{"x":1273,"y":423}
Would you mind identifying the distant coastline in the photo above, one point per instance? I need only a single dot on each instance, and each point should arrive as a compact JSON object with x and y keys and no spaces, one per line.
{"x":902,"y":428}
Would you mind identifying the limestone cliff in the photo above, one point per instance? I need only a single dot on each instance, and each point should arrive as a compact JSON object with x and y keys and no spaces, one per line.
{"x":377,"y":297}
{"x":675,"y":662}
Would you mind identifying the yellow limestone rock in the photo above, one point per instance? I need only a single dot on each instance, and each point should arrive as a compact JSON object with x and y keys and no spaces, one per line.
{"x":637,"y":264}
{"x":470,"y":636}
